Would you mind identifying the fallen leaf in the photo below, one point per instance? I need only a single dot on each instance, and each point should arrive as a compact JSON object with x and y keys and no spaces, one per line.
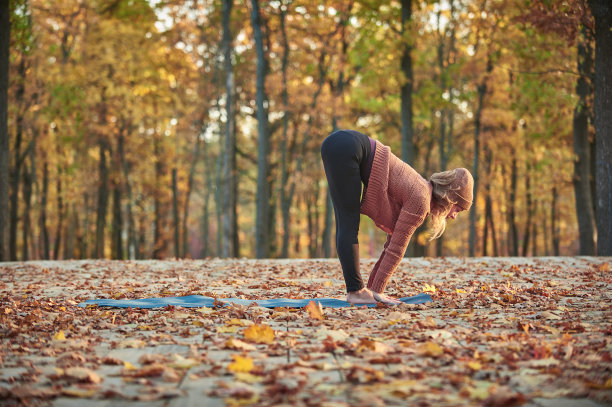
{"x":430,"y":349}
{"x":240,"y":364}
{"x":82,"y":374}
{"x":259,"y":334}
{"x":237,"y":344}
{"x":429,"y":288}
{"x":59,"y":336}
{"x":315,"y":310}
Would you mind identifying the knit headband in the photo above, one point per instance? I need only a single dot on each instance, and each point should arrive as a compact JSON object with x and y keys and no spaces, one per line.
{"x":463,"y":187}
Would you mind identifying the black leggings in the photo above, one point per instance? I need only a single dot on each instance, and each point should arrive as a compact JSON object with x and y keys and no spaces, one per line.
{"x":345,"y":156}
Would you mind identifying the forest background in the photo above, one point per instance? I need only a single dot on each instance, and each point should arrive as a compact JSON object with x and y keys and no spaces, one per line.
{"x":190,"y":129}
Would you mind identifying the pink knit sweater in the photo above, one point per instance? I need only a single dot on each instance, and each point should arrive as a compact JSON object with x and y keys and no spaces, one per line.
{"x":397,"y":200}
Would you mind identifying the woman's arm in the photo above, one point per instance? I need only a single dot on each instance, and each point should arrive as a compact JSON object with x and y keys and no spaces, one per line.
{"x":394,"y":250}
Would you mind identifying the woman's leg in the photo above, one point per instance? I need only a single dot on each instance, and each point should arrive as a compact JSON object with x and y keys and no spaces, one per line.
{"x":342,"y":154}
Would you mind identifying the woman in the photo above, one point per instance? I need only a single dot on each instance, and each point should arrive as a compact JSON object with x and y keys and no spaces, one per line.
{"x":395,"y":197}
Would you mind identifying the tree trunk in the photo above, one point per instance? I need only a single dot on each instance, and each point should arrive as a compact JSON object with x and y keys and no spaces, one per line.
{"x":5,"y":33}
{"x":117,"y":244}
{"x":175,"y":214}
{"x":194,"y":163}
{"x":159,"y":208}
{"x":529,"y":211}
{"x":102,"y":198}
{"x":602,"y":12}
{"x":262,"y":217}
{"x":28,"y":179}
{"x":16,"y":170}
{"x":229,"y":169}
{"x":513,"y":231}
{"x":582,"y":162}
{"x":407,"y":85}
{"x":482,"y":89}
{"x":284,"y":172}
{"x":43,"y":212}
{"x":219,"y":201}
{"x":554,"y":222}
{"x":131,"y":237}
{"x":60,"y":213}
{"x":329,"y":224}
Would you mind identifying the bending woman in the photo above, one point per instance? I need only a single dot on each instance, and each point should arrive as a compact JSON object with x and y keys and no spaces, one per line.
{"x":395,"y":197}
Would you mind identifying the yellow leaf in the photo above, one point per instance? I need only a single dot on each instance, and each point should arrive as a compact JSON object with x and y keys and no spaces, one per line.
{"x":430,"y":349}
{"x":129,"y":366}
{"x":315,"y":310}
{"x":259,"y":334}
{"x":429,"y":288}
{"x":59,"y":336}
{"x":240,"y":364}
{"x":62,"y":308}
{"x":474,"y":365}
{"x":460,"y":291}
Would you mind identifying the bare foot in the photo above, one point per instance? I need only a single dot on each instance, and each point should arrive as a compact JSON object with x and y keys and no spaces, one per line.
{"x":363,"y":296}
{"x":385,"y":299}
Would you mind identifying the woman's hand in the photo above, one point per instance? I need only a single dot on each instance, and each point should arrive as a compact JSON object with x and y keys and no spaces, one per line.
{"x":385,"y":298}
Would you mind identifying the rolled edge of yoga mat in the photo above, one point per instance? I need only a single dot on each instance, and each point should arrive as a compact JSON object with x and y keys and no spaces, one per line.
{"x":201,"y":301}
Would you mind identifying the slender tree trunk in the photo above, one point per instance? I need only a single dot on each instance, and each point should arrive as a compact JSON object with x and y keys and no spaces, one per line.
{"x":229,"y":170}
{"x":131,"y":238}
{"x":529,"y":211}
{"x":329,"y":224}
{"x":194,"y":163}
{"x":159,"y":208}
{"x":219,"y":201}
{"x":175,"y":214}
{"x":534,"y":239}
{"x":262,"y":217}
{"x":43,"y":212}
{"x":60,"y":212}
{"x":512,"y":208}
{"x":284,"y":171}
{"x":117,"y":244}
{"x":554,"y":222}
{"x":16,"y":171}
{"x":28,"y":180}
{"x":5,"y":33}
{"x":102,"y":198}
{"x":407,"y":85}
{"x":206,"y":249}
{"x":582,"y":162}
{"x":602,"y":12}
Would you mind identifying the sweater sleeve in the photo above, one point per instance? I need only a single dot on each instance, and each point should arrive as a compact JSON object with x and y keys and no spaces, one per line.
{"x":394,"y":250}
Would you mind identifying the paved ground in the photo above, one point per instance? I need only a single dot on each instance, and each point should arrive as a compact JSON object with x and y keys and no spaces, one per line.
{"x":507,"y":331}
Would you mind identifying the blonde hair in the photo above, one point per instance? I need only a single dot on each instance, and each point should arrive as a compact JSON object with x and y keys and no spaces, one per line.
{"x":441,"y":196}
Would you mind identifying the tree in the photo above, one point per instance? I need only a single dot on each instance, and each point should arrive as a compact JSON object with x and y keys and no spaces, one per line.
{"x":5,"y":35}
{"x":229,"y":248}
{"x":263,"y":173}
{"x":602,"y":106}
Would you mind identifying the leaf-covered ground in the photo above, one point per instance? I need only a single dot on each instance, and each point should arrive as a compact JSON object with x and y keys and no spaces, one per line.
{"x":500,"y":332}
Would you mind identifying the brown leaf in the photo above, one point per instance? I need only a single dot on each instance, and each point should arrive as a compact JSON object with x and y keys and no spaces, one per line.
{"x":315,"y":310}
{"x":82,"y":374}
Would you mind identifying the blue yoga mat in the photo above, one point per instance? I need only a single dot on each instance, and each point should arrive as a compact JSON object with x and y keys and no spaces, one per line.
{"x":200,"y":301}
